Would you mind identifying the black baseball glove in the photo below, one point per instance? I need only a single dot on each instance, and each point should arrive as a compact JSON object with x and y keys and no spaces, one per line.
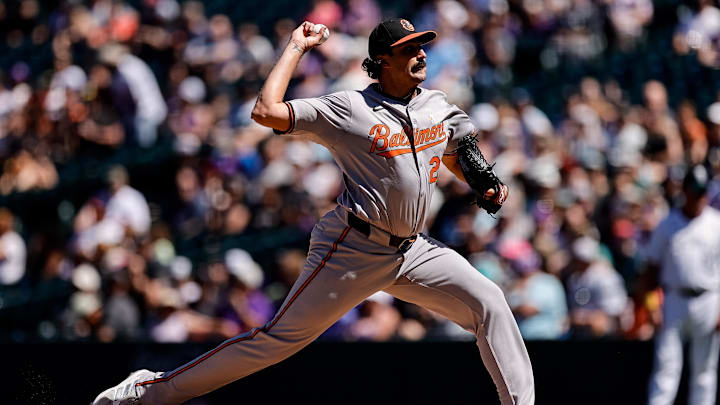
{"x":480,"y":176}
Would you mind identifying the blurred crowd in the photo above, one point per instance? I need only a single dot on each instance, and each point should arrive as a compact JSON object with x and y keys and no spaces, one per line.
{"x":587,"y":187}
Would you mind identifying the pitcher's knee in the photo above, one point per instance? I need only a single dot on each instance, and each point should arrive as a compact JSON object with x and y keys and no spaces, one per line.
{"x":490,"y":302}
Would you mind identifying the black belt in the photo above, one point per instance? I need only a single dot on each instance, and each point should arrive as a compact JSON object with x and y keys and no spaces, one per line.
{"x":363,"y":227}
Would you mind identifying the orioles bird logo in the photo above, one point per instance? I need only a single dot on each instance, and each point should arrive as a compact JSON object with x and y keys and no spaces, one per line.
{"x":406,"y":24}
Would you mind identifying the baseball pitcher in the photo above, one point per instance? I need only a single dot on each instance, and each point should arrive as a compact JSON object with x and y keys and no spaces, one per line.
{"x":389,"y":140}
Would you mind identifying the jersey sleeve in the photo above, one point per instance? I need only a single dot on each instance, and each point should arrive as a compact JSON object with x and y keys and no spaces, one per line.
{"x":460,"y":126}
{"x":321,"y":119}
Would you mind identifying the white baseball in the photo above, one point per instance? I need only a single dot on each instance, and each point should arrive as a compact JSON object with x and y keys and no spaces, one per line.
{"x":326,"y":35}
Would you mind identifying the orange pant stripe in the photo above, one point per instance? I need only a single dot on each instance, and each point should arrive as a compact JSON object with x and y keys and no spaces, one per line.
{"x":255,"y":331}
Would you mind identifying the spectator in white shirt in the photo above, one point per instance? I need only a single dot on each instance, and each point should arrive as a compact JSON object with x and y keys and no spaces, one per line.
{"x":150,"y":107}
{"x":127,"y":206}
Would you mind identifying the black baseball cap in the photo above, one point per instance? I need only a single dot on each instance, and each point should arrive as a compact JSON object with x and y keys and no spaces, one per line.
{"x":394,"y":32}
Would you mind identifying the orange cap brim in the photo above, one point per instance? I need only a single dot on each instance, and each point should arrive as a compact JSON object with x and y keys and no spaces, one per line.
{"x":428,"y":36}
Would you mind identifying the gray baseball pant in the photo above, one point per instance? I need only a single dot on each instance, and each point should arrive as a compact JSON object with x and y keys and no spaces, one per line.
{"x":343,"y":268}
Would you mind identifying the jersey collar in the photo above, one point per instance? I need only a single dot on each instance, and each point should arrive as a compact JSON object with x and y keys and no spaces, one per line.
{"x":377,"y":89}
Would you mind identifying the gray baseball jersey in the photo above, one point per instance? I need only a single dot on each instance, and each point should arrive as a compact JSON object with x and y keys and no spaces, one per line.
{"x":389,"y":186}
{"x":367,"y":134}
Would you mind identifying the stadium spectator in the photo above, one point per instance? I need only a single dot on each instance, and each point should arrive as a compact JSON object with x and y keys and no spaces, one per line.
{"x":121,"y":314}
{"x":700,"y":33}
{"x":536,"y":298}
{"x":378,"y":320}
{"x":250,"y":307}
{"x":126,"y":206}
{"x":629,"y":18}
{"x":28,"y":170}
{"x":12,"y":250}
{"x":596,"y":293}
{"x":148,"y":109}
{"x":585,"y":106}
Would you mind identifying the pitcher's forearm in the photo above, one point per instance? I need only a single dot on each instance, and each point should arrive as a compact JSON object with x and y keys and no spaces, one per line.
{"x":277,"y":81}
{"x":269,"y":108}
{"x":451,"y":162}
